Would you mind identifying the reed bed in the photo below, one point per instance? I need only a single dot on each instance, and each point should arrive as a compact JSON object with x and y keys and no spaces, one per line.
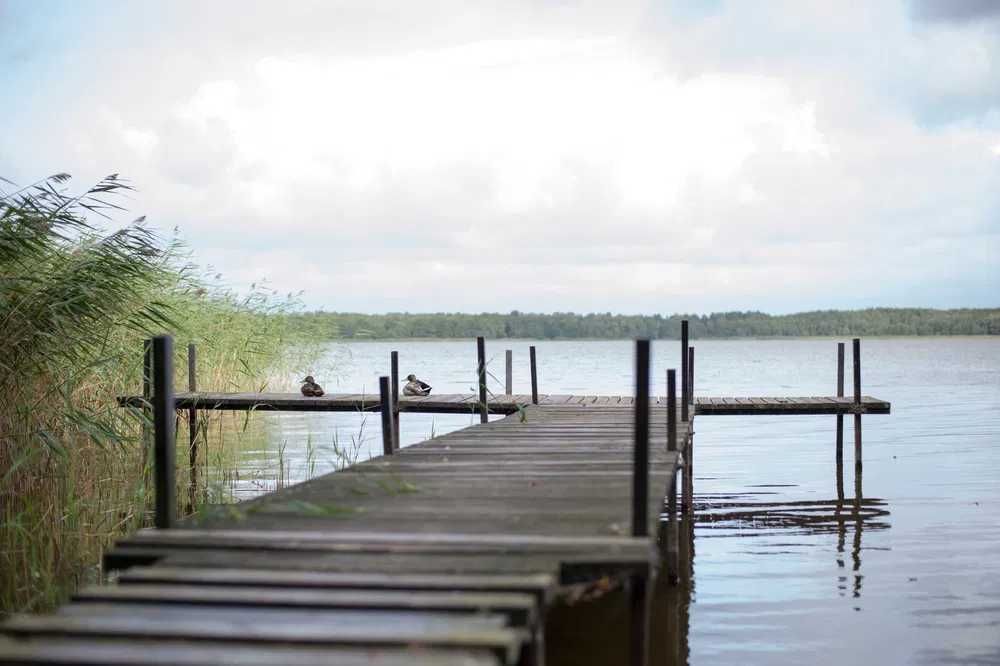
{"x":76,"y":302}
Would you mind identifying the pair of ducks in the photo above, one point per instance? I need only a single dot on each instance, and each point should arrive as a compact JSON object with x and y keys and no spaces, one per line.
{"x":414,"y":386}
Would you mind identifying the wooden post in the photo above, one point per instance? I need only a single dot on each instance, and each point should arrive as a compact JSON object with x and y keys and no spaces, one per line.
{"x":638,"y":584}
{"x":684,"y":370}
{"x":640,"y":456}
{"x":481,"y":372}
{"x":534,"y":375}
{"x":394,"y":373}
{"x":163,"y":431}
{"x":509,"y":375}
{"x":147,"y":396}
{"x":857,"y":403}
{"x":192,"y":429}
{"x":385,"y":408}
{"x":673,"y":552}
{"x":691,"y":375}
{"x":840,"y":394}
{"x":671,"y":410}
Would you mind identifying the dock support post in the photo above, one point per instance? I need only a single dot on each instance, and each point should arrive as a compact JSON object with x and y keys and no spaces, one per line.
{"x":192,"y":429}
{"x":638,"y":583}
{"x":163,"y":431}
{"x":640,"y":456}
{"x":147,"y":396}
{"x":534,"y":375}
{"x":691,"y":376}
{"x":394,"y":374}
{"x":509,"y":374}
{"x":389,"y":446}
{"x":684,"y":370}
{"x":840,"y":394}
{"x":671,"y":410}
{"x":857,"y":404}
{"x":672,"y":536}
{"x":481,"y":372}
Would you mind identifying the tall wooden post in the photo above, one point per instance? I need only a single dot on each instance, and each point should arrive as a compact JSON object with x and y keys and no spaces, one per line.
{"x":857,"y":404}
{"x":534,"y":375}
{"x":840,"y":394}
{"x":671,"y":410}
{"x":638,"y":584}
{"x":640,"y":456}
{"x":509,"y":374}
{"x":691,"y":376}
{"x":164,"y":453}
{"x":192,"y":429}
{"x":147,"y":396}
{"x":672,"y":537}
{"x":385,"y":408}
{"x":685,"y":377}
{"x":481,"y":372}
{"x":394,"y":374}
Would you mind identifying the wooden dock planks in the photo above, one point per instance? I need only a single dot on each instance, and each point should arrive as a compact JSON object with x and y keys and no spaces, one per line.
{"x":468,"y":403}
{"x":790,"y":406}
{"x":451,"y":548}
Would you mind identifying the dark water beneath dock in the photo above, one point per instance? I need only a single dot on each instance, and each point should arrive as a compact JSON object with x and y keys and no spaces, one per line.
{"x":784,"y":570}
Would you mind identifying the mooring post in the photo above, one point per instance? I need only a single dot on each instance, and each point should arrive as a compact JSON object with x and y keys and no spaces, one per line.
{"x":147,"y":396}
{"x":840,"y":394}
{"x":163,"y":431}
{"x":534,"y":375}
{"x":684,"y":370}
{"x":509,"y":374}
{"x":671,"y":410}
{"x":857,"y":404}
{"x":640,"y":456}
{"x":640,"y":505}
{"x":691,"y":375}
{"x":672,"y":538}
{"x":394,"y":373}
{"x":385,"y":408}
{"x":481,"y":372}
{"x":192,"y":428}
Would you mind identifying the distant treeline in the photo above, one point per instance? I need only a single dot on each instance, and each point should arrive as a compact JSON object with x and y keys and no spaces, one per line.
{"x":874,"y":321}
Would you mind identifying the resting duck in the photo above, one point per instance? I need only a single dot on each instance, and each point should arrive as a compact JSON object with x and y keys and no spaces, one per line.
{"x":310,"y":388}
{"x":416,"y":387}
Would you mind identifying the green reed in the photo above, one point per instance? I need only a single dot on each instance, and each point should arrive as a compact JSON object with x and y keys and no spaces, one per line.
{"x":76,"y":301}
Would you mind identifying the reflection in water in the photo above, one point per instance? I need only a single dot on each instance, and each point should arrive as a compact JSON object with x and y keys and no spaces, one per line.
{"x":746,"y":515}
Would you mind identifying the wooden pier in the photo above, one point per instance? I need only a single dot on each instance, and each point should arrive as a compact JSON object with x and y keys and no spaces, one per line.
{"x":449,"y":551}
{"x":468,"y":403}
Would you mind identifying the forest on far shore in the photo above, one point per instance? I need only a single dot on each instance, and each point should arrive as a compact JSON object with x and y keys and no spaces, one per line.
{"x":869,"y":322}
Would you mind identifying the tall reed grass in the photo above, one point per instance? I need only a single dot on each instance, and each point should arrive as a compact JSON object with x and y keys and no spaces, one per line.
{"x":76,"y":301}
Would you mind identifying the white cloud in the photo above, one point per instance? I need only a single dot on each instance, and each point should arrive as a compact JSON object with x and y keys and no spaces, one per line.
{"x":542,"y":158}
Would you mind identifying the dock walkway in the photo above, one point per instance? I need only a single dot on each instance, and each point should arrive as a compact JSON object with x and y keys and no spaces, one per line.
{"x":453,"y":546}
{"x":468,"y":403}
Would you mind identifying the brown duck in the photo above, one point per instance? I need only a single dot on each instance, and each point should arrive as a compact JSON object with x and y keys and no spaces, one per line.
{"x":310,"y":388}
{"x":416,"y":387}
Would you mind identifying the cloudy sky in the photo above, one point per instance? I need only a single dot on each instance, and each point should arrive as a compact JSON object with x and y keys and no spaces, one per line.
{"x":464,"y":156}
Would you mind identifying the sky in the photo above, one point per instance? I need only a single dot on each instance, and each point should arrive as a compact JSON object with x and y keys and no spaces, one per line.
{"x":633,"y":157}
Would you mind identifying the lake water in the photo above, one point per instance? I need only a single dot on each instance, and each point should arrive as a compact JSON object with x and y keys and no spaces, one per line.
{"x":782,"y":571}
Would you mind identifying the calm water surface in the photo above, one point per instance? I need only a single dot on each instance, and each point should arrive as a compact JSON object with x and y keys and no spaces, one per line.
{"x":783,"y":572}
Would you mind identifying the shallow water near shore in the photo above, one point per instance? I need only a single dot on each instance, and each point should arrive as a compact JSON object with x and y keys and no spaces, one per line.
{"x":900,"y":566}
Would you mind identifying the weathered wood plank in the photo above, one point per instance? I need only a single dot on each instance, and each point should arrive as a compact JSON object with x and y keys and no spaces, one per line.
{"x":519,"y":608}
{"x":48,"y":649}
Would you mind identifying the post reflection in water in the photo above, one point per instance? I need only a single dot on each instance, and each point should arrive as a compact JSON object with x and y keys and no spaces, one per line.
{"x":594,"y":625}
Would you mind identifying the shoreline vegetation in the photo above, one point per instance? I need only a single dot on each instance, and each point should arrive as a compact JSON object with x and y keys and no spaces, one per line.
{"x":76,"y":302}
{"x":871,"y":322}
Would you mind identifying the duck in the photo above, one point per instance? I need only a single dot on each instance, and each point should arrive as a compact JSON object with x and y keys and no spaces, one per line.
{"x":310,"y":388}
{"x":416,"y":387}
